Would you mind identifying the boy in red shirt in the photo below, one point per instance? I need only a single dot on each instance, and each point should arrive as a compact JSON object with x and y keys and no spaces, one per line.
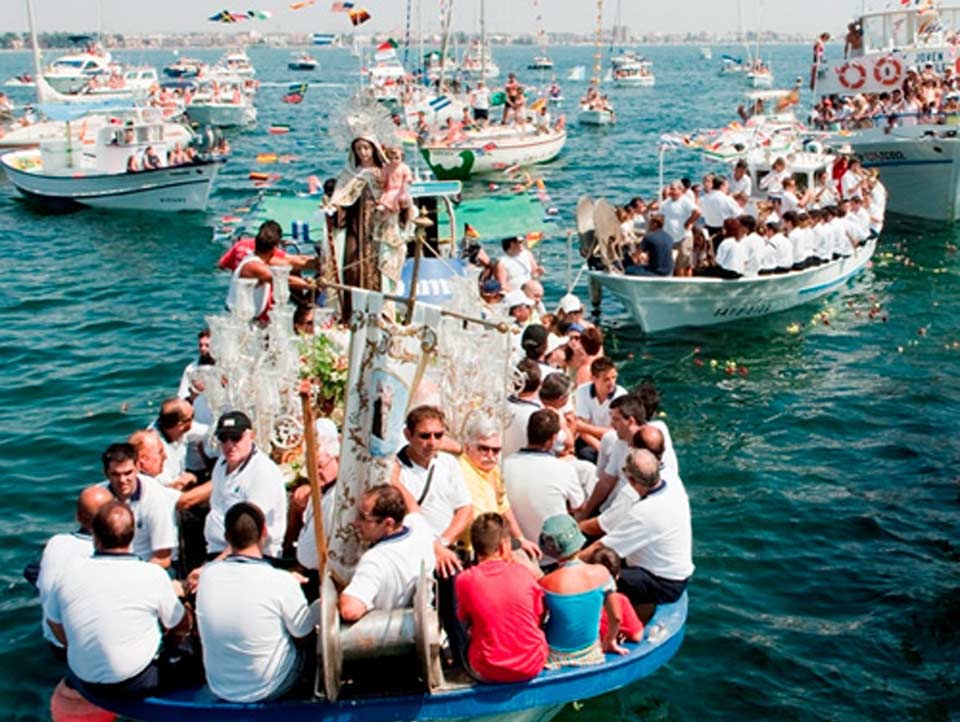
{"x":502,"y":606}
{"x":631,"y":628}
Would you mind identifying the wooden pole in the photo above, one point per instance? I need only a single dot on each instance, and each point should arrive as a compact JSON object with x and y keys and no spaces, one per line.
{"x":310,"y":439}
{"x":415,"y":274}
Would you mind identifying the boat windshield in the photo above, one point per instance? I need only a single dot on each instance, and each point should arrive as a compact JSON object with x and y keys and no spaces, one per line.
{"x":68,"y":64}
{"x":906,"y":28}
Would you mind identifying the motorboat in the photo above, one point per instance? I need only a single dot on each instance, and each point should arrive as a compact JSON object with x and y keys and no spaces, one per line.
{"x":236,"y":62}
{"x":24,"y":80}
{"x":662,"y":303}
{"x":64,"y":173}
{"x":222,"y":104}
{"x":493,"y":149}
{"x":478,"y":63}
{"x":919,"y":164}
{"x":588,"y":115}
{"x":137,"y":82}
{"x":730,"y":66}
{"x":759,"y":75}
{"x":540,"y":62}
{"x":302,"y":61}
{"x":185,"y":68}
{"x":628,"y":70}
{"x":70,"y":73}
{"x":706,"y":53}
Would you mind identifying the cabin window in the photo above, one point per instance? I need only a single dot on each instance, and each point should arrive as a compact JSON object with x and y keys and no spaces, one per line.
{"x":803,"y":182}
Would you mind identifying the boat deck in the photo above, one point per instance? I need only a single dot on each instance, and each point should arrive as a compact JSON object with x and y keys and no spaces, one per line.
{"x":458,"y":700}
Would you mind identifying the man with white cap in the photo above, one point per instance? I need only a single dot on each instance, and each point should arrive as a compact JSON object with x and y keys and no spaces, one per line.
{"x":519,"y":308}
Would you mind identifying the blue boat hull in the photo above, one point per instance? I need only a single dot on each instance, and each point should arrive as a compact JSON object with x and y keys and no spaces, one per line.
{"x":534,"y":701}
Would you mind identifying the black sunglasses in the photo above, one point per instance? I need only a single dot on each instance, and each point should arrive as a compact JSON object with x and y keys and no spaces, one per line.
{"x":431,"y":434}
{"x":233,"y":436}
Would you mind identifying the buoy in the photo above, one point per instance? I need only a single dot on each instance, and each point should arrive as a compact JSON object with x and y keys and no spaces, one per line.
{"x":68,"y":705}
{"x":279,"y":129}
{"x":266,"y":158}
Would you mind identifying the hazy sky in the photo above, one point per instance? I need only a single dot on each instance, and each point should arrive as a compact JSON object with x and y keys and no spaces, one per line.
{"x":136,"y":16}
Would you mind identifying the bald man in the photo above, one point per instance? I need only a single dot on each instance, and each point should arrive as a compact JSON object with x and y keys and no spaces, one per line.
{"x":63,"y":550}
{"x":653,"y":536}
{"x":114,"y":601}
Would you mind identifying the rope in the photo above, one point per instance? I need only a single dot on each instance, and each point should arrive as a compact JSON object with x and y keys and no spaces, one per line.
{"x":406,"y":37}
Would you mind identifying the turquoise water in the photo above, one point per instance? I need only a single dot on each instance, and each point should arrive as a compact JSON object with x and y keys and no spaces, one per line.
{"x":823,"y":482}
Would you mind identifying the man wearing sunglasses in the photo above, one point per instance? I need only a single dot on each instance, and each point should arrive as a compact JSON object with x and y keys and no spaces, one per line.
{"x":244,"y":473}
{"x":435,"y":482}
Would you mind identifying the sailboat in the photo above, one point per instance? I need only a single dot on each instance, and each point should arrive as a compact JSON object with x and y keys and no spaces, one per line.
{"x":759,"y":74}
{"x":628,"y":69}
{"x":541,"y":61}
{"x":477,"y":63}
{"x":595,"y":109}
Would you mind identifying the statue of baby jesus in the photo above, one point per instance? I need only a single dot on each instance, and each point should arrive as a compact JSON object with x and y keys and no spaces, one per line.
{"x":396,"y":178}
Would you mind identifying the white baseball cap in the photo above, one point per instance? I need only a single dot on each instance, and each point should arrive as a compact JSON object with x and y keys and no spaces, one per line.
{"x":570,"y":304}
{"x":517,"y":298}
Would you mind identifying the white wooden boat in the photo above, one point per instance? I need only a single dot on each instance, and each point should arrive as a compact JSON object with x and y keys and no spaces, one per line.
{"x":662,"y":303}
{"x":185,"y":68}
{"x":69,"y":73}
{"x":237,"y":63}
{"x":593,"y":116}
{"x":540,"y":62}
{"x":492,"y":151}
{"x":62,"y":173}
{"x":478,"y":63}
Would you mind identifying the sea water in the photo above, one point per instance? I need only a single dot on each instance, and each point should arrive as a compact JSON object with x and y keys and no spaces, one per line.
{"x":819,"y":446}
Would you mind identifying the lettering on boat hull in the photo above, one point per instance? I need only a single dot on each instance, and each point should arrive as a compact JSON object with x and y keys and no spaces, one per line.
{"x":754,"y":309}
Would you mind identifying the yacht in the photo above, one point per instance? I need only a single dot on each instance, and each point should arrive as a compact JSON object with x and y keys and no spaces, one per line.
{"x":70,"y":73}
{"x":629,"y":70}
{"x":918,"y":163}
{"x":478,"y":62}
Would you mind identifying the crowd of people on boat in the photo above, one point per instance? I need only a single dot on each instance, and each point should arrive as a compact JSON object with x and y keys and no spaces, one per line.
{"x":552,"y":536}
{"x":721,"y":228}
{"x":593,"y":99}
{"x":925,"y":97}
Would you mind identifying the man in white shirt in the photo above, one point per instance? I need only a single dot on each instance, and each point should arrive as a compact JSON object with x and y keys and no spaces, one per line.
{"x":752,"y":246}
{"x":520,"y":406}
{"x":400,"y":543}
{"x":204,"y":358}
{"x":679,"y":212}
{"x":627,"y":416}
{"x":859,"y":215}
{"x":653,"y":535}
{"x":822,"y":235}
{"x":177,"y":429}
{"x":480,"y":103}
{"x":108,"y":611}
{"x":435,"y":482}
{"x":155,"y":532}
{"x":878,"y":202}
{"x":851,"y":180}
{"x":538,"y":484}
{"x":741,"y":181}
{"x":592,"y":404}
{"x":64,"y":550}
{"x":244,"y":473}
{"x":250,"y":616}
{"x":717,"y":206}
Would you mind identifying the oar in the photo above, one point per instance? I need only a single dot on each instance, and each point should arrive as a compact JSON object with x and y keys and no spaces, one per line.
{"x":310,"y":439}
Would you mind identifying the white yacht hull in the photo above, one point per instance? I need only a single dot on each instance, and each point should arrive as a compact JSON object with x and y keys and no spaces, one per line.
{"x":594,"y":117}
{"x":759,"y":80}
{"x":178,"y":188}
{"x":222,"y":115}
{"x":921,"y":172}
{"x":461,"y":161}
{"x":639,"y":81}
{"x":662,"y":303}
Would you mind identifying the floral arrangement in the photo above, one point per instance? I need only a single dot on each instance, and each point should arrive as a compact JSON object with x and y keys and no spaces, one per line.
{"x":324,"y":362}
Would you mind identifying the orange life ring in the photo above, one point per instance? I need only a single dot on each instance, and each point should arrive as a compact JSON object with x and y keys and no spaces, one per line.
{"x":888,"y":77}
{"x":859,"y":79}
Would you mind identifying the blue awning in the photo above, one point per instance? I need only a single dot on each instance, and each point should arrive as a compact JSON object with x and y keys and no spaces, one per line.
{"x":60,"y":111}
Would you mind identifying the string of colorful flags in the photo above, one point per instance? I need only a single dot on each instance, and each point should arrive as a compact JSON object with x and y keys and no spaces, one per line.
{"x":357,"y":15}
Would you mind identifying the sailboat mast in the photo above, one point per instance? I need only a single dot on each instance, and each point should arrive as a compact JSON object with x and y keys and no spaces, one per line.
{"x":598,"y":53}
{"x":483,"y":40}
{"x":444,"y":43}
{"x":37,"y":69}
